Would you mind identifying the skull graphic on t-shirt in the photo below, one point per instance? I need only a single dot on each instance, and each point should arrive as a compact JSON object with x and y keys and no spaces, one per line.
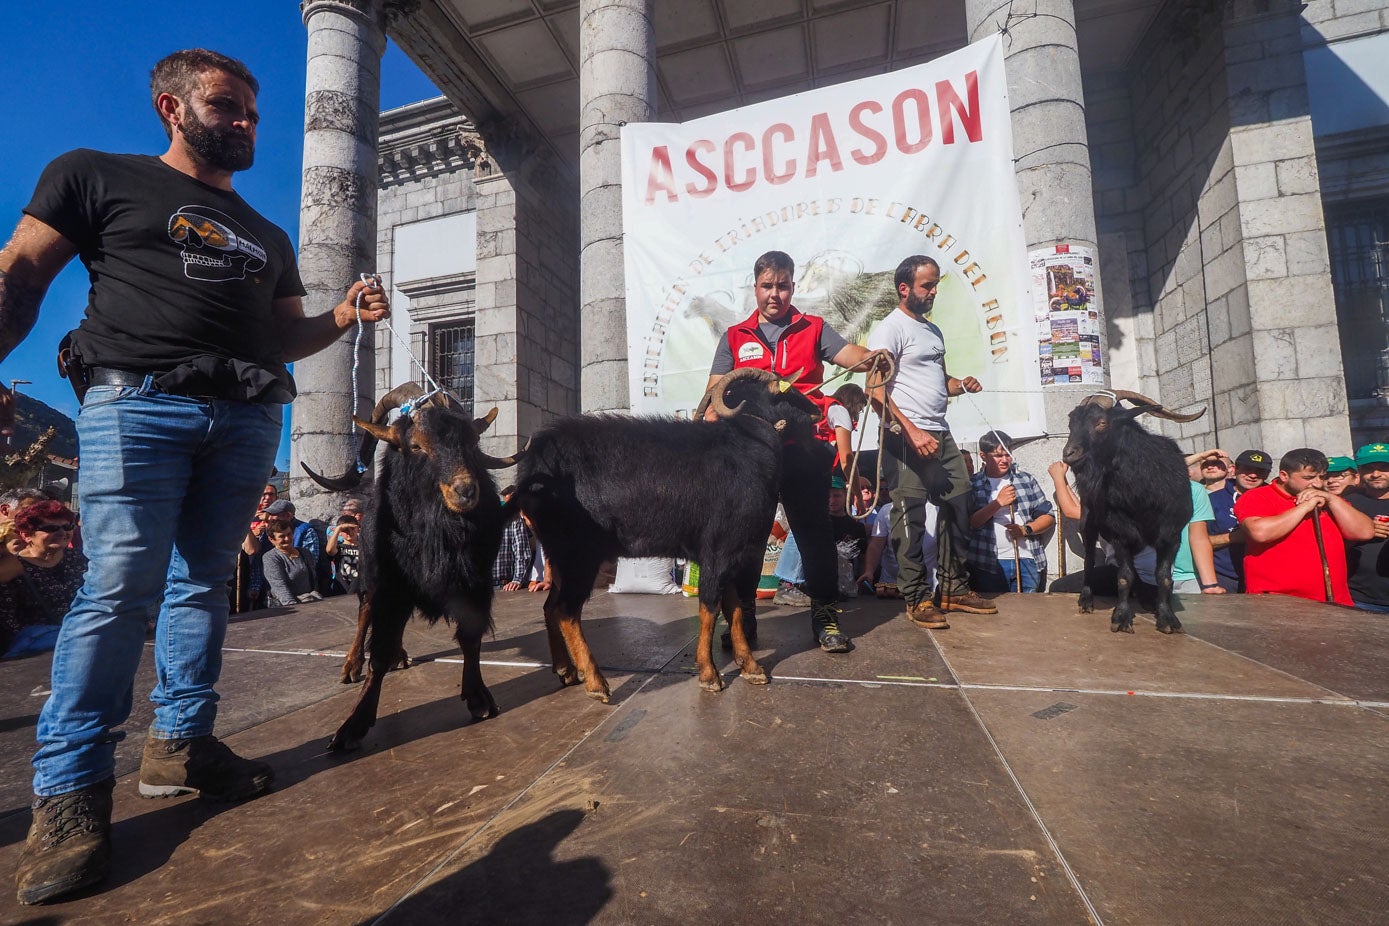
{"x":215,"y":247}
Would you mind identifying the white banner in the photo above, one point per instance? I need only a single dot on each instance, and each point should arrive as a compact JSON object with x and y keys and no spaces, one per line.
{"x":848,"y":180}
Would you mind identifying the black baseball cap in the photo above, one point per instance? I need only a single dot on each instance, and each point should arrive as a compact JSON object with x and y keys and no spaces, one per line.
{"x":1255,"y":459}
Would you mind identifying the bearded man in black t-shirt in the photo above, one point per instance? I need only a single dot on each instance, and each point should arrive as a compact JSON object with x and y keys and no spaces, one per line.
{"x":195,"y":309}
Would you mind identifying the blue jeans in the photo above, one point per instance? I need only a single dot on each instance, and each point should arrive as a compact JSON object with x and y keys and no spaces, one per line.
{"x":168,"y":485}
{"x":788,"y":565}
{"x":1004,"y":578}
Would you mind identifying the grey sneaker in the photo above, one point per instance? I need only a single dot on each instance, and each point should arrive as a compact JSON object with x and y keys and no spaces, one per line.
{"x":203,"y":765}
{"x":69,"y":844}
{"x":791,"y":595}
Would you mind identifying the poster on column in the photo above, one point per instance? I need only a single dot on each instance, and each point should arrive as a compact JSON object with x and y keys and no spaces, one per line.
{"x":848,"y":180}
{"x":1067,"y":315}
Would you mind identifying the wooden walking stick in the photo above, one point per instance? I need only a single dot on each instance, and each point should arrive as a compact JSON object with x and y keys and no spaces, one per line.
{"x":238,"y":593}
{"x":1321,"y":550}
{"x":1061,"y":539}
{"x":1017,"y":557}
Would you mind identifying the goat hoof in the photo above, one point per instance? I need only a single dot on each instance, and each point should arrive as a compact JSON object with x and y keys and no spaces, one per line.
{"x":715,"y":684}
{"x":1087,"y":603}
{"x":567,"y":676}
{"x":481,"y":705}
{"x":1174,"y":627}
{"x":601,"y":695}
{"x":758,"y":677}
{"x":341,"y":742}
{"x":1121,"y":626}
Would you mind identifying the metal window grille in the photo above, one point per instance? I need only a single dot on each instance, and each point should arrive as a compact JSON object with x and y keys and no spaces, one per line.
{"x":1358,"y":236}
{"x":451,"y":358}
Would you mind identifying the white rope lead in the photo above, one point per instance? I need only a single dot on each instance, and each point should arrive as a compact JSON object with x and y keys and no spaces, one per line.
{"x":368,"y":279}
{"x":982,"y":417}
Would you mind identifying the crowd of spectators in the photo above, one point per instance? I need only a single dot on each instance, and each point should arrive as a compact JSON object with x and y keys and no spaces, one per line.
{"x":1254,"y":527}
{"x":286,"y":561}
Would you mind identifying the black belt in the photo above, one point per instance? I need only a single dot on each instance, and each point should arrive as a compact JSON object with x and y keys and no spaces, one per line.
{"x":106,"y":376}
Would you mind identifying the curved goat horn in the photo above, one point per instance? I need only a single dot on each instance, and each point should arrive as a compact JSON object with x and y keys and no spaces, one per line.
{"x":483,"y":423}
{"x":366,"y":449}
{"x":503,"y":462}
{"x":1156,"y":409}
{"x":716,"y":394}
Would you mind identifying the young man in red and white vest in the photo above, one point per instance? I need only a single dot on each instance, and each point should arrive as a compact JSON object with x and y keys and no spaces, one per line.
{"x":781,"y":338}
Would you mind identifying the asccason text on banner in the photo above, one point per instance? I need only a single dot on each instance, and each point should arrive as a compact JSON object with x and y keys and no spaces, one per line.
{"x":848,"y":180}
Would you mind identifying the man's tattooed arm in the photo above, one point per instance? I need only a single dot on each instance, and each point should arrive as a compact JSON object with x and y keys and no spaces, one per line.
{"x":33,"y":257}
{"x":19,"y":306}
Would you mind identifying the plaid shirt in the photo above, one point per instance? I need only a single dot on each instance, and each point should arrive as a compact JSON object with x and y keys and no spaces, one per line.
{"x":1032,"y":503}
{"x":513,"y":562}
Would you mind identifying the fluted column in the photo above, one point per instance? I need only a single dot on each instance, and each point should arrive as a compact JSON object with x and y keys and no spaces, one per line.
{"x":617,"y":84}
{"x":337,"y":229}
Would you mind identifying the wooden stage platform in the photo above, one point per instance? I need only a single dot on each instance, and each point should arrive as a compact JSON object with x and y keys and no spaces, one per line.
{"x":1029,"y":767}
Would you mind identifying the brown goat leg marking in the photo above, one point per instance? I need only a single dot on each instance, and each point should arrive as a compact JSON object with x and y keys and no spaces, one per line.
{"x":742,"y":653}
{"x":709,"y":677}
{"x":560,"y":661}
{"x":355,"y":660}
{"x":352,"y":665}
{"x":594,"y":682}
{"x":475,"y":694}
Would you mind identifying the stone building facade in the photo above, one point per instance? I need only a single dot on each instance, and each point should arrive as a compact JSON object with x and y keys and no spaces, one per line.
{"x":481,"y":271}
{"x":1239,"y":220}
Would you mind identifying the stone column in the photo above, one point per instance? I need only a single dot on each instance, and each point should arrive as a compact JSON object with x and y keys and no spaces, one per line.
{"x":617,"y":84}
{"x":1052,"y":163}
{"x":1285,"y":339}
{"x":337,"y":230}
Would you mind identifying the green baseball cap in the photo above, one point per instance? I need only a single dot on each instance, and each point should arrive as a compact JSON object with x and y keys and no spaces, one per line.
{"x":1339,"y":465}
{"x":1372,"y":453}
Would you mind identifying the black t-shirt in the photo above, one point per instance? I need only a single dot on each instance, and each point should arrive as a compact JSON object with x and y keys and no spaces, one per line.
{"x":1368,"y":561}
{"x":178,"y":269}
{"x":849,"y":533}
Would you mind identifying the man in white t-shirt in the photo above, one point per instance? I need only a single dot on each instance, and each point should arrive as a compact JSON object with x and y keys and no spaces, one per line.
{"x":929,"y":465}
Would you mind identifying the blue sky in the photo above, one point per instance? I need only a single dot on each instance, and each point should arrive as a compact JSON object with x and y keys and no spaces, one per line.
{"x":76,"y":75}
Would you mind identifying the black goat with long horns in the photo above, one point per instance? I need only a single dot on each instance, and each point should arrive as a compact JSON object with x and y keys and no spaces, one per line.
{"x":429,"y":539}
{"x":1134,"y":492}
{"x":598,"y":487}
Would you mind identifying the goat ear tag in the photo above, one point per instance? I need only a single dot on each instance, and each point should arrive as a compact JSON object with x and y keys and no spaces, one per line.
{"x":750,"y":351}
{"x":783,"y":385}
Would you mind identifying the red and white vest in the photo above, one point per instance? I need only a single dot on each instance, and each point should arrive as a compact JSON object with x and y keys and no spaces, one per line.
{"x":797,"y":350}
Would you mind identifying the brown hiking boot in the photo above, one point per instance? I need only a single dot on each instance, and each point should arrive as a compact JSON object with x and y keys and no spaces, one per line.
{"x":203,"y":765}
{"x":969,"y":602}
{"x":69,"y":844}
{"x":924,"y":614}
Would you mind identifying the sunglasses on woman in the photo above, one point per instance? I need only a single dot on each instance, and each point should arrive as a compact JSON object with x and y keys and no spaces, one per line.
{"x":53,"y":528}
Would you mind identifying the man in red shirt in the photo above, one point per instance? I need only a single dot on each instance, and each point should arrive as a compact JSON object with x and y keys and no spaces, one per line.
{"x":1283,"y":555}
{"x":781,"y":338}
